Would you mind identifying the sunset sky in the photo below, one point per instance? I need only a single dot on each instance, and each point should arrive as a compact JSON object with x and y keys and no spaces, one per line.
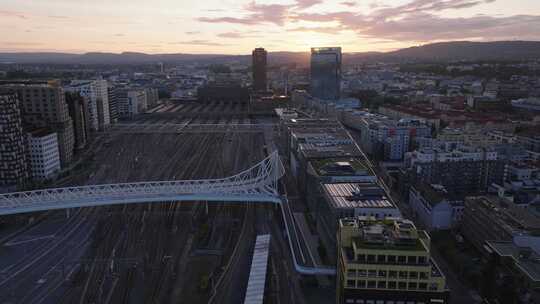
{"x":235,"y":26}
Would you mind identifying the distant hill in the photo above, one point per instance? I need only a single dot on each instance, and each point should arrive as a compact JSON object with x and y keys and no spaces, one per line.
{"x":444,"y":51}
{"x":465,"y":50}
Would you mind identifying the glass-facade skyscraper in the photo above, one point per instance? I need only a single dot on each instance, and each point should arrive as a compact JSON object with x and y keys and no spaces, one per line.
{"x":326,"y":73}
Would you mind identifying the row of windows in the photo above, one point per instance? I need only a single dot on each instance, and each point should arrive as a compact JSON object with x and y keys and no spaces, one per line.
{"x":375,"y":215}
{"x":359,"y":301}
{"x":391,"y":285}
{"x":391,"y":259}
{"x":392,"y":274}
{"x":43,"y":172}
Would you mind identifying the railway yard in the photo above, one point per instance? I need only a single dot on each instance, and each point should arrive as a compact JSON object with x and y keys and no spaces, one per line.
{"x":172,"y":252}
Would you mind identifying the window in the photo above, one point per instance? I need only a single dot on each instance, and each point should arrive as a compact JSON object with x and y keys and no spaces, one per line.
{"x":371,"y":258}
{"x":402,"y":259}
{"x":412,"y":285}
{"x":413,"y":275}
{"x":392,"y":274}
{"x":421,"y":260}
{"x":402,"y":274}
{"x":411,"y":260}
{"x":361,"y":273}
{"x":361,"y":258}
{"x":371,"y":284}
{"x":402,"y":285}
{"x":351,"y":272}
{"x":381,"y":284}
{"x":391,"y":259}
{"x":381,"y":258}
{"x":424,"y":276}
{"x":361,"y":284}
{"x":422,"y":286}
{"x":372,"y":273}
{"x":350,"y":283}
{"x":382,"y":273}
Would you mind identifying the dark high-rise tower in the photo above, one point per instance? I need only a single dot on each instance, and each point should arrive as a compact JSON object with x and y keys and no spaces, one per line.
{"x":259,"y":69}
{"x":326,"y":73}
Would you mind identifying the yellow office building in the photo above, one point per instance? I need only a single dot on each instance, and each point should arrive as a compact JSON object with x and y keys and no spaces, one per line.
{"x":386,"y":262}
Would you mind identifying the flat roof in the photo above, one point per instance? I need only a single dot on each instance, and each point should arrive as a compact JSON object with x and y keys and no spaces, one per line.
{"x":525,"y":259}
{"x":41,"y":132}
{"x":331,"y":166}
{"x":356,"y":195}
{"x":387,"y":234}
{"x":506,"y":214}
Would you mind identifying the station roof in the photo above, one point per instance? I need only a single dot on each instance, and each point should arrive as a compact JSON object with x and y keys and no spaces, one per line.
{"x":257,"y":275}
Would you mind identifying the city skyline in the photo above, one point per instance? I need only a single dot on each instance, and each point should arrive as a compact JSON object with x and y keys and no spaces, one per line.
{"x":234,"y":27}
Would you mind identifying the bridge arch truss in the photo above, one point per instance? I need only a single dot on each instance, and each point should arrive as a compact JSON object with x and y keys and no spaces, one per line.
{"x":256,"y":184}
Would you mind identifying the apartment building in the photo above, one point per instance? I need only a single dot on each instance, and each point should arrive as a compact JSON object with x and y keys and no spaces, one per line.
{"x":98,"y":101}
{"x":112,"y":92}
{"x":435,"y":207}
{"x":13,"y":164}
{"x":388,"y":139}
{"x":80,"y":114}
{"x":43,"y":105}
{"x":43,"y":154}
{"x":462,"y":170}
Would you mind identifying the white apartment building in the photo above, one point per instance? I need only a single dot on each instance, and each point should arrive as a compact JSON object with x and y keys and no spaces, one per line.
{"x":388,"y":138}
{"x":131,"y":103}
{"x":98,"y":100}
{"x":44,"y":155}
{"x":450,"y":152}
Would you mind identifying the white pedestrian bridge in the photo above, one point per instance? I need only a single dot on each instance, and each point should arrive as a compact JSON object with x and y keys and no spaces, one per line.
{"x":256,"y":184}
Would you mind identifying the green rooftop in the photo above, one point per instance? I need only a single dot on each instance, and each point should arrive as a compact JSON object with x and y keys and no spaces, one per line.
{"x":338,"y":166}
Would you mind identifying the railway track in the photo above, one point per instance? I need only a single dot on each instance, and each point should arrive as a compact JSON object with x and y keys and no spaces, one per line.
{"x":131,"y":245}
